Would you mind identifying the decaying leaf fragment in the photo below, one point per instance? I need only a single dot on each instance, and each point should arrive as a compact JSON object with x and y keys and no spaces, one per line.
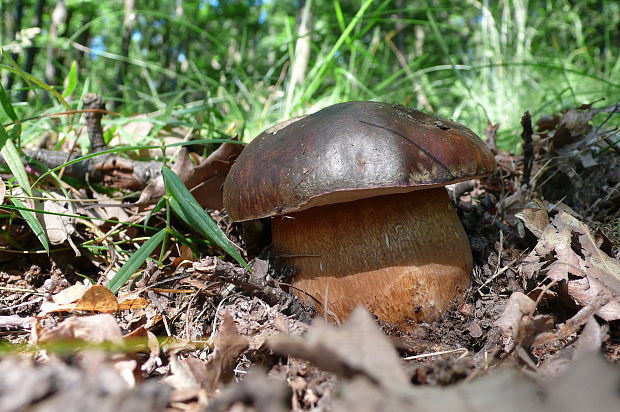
{"x":571,"y":249}
{"x":92,"y":329}
{"x":518,"y":323}
{"x":192,"y":375}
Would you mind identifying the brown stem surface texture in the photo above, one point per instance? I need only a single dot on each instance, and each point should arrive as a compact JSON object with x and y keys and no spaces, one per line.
{"x":405,"y":256}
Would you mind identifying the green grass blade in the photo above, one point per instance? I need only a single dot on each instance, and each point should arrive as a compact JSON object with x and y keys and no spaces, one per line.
{"x":71,"y":80}
{"x":135,"y":261}
{"x":7,"y":106}
{"x":32,"y":80}
{"x":318,"y":72}
{"x":33,"y":223}
{"x":188,"y":209}
{"x":13,"y":160}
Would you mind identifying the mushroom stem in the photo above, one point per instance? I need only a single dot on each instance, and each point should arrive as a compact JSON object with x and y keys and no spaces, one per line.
{"x":404,"y":256}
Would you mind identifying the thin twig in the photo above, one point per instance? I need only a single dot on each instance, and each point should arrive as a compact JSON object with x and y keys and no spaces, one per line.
{"x":528,"y":148}
{"x":463,"y":351}
{"x":499,"y":272}
{"x":31,"y":302}
{"x":15,"y":322}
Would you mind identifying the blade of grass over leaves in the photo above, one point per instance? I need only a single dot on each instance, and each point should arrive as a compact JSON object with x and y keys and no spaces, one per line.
{"x":188,"y":209}
{"x":7,"y":106}
{"x":13,"y":160}
{"x":7,"y":147}
{"x":135,"y":261}
{"x":99,"y":219}
{"x":33,"y":223}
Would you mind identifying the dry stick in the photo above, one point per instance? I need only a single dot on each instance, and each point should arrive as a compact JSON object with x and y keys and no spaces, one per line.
{"x":15,"y":322}
{"x":528,"y":148}
{"x":93,"y":121}
{"x":259,"y":287}
{"x":109,"y":170}
{"x":19,"y":305}
{"x":497,"y":273}
{"x":462,"y":351}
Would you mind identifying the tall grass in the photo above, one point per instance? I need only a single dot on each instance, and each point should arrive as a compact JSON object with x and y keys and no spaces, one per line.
{"x":474,"y":61}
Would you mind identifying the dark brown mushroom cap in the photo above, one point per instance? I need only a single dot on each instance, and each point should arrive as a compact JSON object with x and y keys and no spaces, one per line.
{"x":350,"y":151}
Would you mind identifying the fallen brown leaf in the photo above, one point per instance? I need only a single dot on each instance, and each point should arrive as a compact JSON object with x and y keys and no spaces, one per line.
{"x":575,"y":251}
{"x":204,"y":180}
{"x":92,"y":329}
{"x":229,"y":345}
{"x":131,"y":300}
{"x":96,"y":298}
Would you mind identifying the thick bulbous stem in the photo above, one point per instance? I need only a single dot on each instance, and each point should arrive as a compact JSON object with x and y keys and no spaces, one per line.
{"x":404,"y":256}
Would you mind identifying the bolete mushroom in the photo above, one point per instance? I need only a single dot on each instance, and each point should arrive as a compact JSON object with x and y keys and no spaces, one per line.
{"x":358,"y":205}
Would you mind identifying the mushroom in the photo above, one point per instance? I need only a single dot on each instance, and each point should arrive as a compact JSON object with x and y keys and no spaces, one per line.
{"x":357,"y":203}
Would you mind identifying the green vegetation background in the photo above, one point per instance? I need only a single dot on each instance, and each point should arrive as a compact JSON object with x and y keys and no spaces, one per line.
{"x":225,"y":67}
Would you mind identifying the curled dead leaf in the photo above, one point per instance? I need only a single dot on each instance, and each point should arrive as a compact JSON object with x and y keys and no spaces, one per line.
{"x":57,"y":223}
{"x":92,"y":329}
{"x":536,"y":220}
{"x":96,"y":298}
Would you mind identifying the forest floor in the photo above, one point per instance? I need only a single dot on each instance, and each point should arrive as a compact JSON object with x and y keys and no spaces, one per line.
{"x":538,"y":329}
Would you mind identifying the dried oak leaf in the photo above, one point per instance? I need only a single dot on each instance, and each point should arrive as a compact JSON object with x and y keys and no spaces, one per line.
{"x":557,"y":238}
{"x":576,"y":251}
